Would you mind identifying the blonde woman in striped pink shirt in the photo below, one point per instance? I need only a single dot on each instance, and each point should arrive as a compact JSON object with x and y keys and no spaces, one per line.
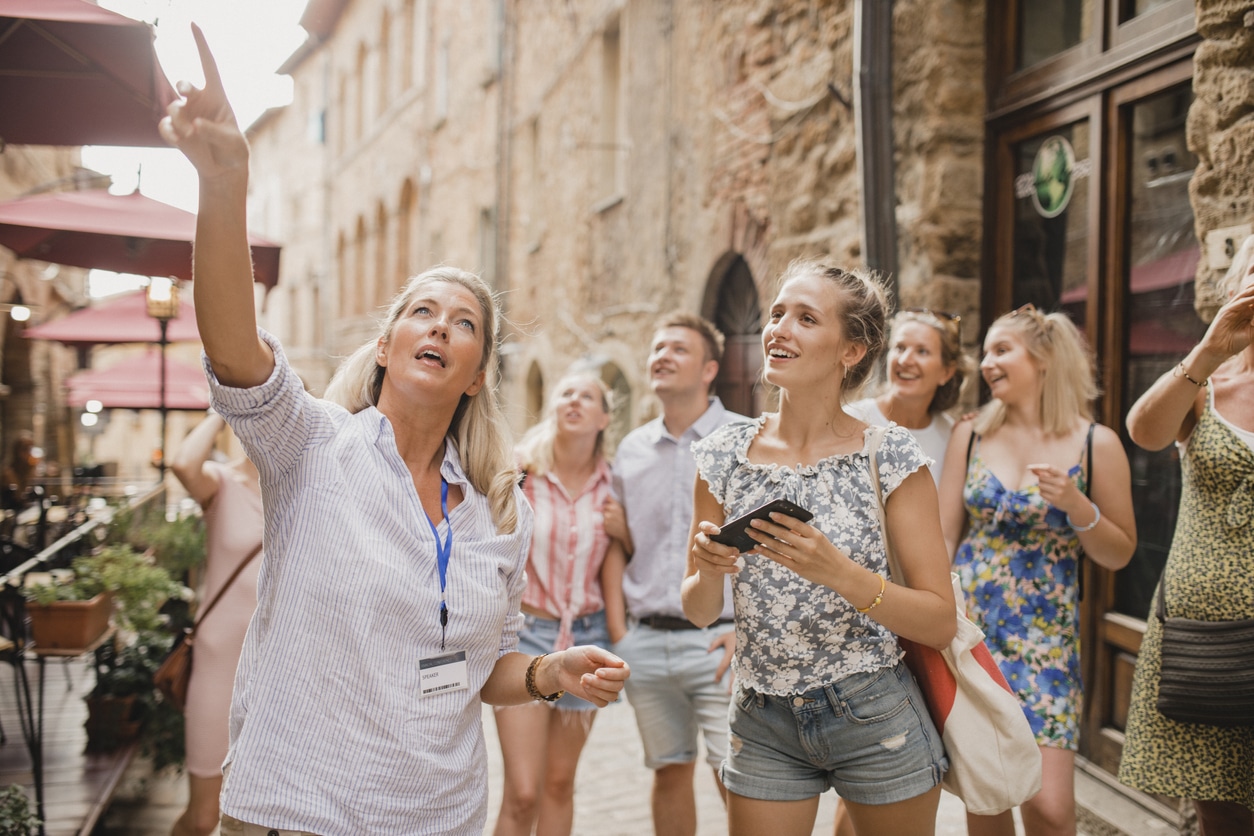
{"x":567,"y":481}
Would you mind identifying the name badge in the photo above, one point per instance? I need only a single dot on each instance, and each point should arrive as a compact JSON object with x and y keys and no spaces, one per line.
{"x":444,"y":673}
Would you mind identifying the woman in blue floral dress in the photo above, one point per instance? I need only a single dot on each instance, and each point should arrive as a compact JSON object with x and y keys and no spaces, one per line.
{"x":1018,"y":513}
{"x":822,"y":698}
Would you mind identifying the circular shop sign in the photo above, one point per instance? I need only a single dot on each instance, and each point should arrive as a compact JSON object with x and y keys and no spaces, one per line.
{"x":1053,"y":175}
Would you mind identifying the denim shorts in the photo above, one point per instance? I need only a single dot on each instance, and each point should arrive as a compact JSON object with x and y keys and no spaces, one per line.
{"x":868,"y":736}
{"x":539,"y":635}
{"x":674,"y":694}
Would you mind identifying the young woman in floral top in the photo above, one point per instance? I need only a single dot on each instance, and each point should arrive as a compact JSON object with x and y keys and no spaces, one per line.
{"x":822,"y":697}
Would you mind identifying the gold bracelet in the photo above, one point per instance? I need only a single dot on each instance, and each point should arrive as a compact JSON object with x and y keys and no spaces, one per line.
{"x":1180,"y":371}
{"x":531,"y":683}
{"x":878,"y":598}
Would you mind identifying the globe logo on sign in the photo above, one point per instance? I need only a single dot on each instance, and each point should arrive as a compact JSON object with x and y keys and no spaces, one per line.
{"x":1053,"y":175}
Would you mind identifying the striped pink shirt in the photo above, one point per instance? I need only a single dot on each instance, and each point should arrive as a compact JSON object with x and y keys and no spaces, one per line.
{"x":568,"y":546}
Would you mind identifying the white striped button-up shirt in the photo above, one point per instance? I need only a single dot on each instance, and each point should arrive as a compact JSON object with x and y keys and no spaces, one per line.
{"x":654,"y":474}
{"x":567,"y":548}
{"x":328,"y":731}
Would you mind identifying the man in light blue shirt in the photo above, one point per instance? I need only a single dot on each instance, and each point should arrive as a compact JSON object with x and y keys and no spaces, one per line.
{"x":677,"y":686}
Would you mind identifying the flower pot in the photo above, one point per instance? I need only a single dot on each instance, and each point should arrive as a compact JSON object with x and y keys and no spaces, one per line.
{"x":111,"y":723}
{"x":69,"y":625}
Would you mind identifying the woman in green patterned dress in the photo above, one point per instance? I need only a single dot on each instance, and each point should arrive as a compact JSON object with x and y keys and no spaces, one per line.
{"x":1206,"y":405}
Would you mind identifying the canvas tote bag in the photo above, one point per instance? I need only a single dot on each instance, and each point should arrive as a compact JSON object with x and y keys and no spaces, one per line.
{"x":994,"y":760}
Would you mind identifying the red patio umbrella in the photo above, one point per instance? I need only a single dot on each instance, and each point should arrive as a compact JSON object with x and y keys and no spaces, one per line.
{"x":123,"y":319}
{"x":134,"y":383}
{"x":72,"y":73}
{"x":124,"y":233}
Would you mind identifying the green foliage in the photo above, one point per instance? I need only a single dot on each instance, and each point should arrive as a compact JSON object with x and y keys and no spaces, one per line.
{"x":162,"y":741}
{"x":178,"y":544}
{"x":139,"y":586}
{"x":16,"y":816}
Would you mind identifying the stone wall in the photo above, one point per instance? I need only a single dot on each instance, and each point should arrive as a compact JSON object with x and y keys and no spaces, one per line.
{"x":1221,"y":129}
{"x":625,"y":153}
{"x":31,"y":372}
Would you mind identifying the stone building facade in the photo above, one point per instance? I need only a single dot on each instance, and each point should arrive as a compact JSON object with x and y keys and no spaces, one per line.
{"x":605,"y":161}
{"x":31,"y":371}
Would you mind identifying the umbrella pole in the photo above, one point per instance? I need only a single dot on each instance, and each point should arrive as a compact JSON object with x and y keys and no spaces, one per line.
{"x":165,"y":324}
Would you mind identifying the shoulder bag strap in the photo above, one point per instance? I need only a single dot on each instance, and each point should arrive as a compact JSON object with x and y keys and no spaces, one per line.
{"x":1088,"y":467}
{"x":225,"y":587}
{"x":877,"y":436}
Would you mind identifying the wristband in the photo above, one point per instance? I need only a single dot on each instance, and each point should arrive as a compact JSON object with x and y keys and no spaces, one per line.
{"x":879,"y":597}
{"x":1181,"y":371}
{"x":1093,"y":524}
{"x":532,"y":690}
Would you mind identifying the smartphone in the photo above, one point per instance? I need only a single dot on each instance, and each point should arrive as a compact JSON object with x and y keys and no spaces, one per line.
{"x":735,"y":533}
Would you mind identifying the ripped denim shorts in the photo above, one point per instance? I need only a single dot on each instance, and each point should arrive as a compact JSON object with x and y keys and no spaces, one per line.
{"x":868,"y":736}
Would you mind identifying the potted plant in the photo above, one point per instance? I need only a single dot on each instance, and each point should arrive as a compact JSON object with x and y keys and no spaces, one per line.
{"x":68,"y":614}
{"x":74,"y":614}
{"x":16,"y":816}
{"x":124,"y":697}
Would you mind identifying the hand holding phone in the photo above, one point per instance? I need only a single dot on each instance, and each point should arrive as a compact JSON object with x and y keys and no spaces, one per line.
{"x":736,"y":532}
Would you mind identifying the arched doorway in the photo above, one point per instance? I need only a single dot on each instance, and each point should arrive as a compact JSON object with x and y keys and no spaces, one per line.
{"x":731,"y":303}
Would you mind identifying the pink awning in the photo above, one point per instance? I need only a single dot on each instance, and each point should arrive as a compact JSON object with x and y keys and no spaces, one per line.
{"x":135,"y":383}
{"x":124,"y":233}
{"x":72,"y":73}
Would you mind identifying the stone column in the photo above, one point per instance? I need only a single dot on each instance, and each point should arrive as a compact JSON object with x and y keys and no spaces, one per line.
{"x":1221,"y":129}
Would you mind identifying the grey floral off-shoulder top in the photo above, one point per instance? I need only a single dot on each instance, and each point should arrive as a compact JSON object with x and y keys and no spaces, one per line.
{"x":792,"y":635}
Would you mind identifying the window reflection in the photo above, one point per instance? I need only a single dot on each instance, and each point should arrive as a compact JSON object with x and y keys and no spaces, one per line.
{"x":1047,"y":27}
{"x":1051,"y":233}
{"x":1140,"y":7}
{"x":1161,"y":323}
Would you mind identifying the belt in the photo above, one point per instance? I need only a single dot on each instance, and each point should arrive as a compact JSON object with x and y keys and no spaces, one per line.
{"x":671,"y":623}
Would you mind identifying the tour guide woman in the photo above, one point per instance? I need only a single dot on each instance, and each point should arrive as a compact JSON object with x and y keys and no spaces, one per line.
{"x":395,"y":535}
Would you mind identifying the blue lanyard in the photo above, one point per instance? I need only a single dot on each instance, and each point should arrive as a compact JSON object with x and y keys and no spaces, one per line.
{"x":442,"y":552}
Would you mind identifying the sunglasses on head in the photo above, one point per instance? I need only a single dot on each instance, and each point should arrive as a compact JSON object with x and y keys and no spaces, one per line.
{"x":949,"y":320}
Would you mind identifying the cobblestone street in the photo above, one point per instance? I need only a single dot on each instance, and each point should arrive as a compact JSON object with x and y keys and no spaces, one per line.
{"x":612,"y":791}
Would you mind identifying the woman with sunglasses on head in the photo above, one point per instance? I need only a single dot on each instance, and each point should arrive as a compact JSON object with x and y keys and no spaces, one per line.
{"x":566,"y":481}
{"x":1205,"y":404}
{"x":395,"y":541}
{"x":1021,"y":499}
{"x":822,"y":698}
{"x":926,"y":370}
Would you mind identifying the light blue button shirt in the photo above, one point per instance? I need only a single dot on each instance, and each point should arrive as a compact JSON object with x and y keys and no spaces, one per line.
{"x":654,"y":475}
{"x":328,"y":731}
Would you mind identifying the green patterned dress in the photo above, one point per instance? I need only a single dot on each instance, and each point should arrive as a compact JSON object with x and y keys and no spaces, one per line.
{"x":1209,"y":576}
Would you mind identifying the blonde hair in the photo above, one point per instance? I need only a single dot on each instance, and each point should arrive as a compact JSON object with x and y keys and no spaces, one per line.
{"x":535,"y":450}
{"x":1068,"y":386}
{"x":478,"y":430}
{"x":863,"y":312}
{"x":952,"y":356}
{"x":1231,"y":282}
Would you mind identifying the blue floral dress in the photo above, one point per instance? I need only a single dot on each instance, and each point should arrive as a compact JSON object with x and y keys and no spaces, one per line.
{"x":1018,"y":568}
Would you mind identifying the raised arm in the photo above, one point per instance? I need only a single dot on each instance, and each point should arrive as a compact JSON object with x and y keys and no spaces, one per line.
{"x":203,"y":127}
{"x":188,"y":462}
{"x":1168,"y":410}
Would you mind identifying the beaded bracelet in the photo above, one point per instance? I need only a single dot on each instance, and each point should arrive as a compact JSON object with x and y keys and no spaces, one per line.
{"x":1181,"y":371}
{"x":1090,"y":526}
{"x":878,"y":598}
{"x":531,"y":683}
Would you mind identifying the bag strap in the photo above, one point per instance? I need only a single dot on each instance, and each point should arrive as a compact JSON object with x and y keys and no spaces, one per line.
{"x":873,"y":447}
{"x":1162,"y":597}
{"x":225,"y":587}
